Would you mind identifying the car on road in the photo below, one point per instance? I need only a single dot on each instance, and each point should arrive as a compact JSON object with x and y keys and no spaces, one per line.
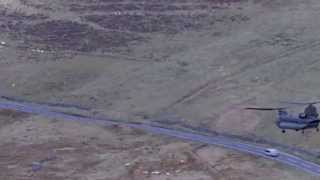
{"x":271,"y":152}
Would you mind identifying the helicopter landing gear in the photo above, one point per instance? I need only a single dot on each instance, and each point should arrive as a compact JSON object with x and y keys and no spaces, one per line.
{"x":283,"y":131}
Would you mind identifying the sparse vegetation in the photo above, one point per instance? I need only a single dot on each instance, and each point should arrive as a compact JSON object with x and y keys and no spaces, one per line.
{"x":196,"y":61}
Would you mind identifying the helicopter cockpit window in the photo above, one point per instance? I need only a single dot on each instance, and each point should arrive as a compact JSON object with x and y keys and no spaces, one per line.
{"x":302,"y":115}
{"x":311,"y":111}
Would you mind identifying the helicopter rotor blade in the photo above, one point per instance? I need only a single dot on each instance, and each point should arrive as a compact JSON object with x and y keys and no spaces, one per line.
{"x":265,"y":109}
{"x":300,"y":103}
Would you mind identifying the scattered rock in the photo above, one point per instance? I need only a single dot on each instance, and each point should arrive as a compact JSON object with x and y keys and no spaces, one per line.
{"x":12,"y":166}
{"x":127,"y":164}
{"x":65,"y":149}
{"x":156,"y":172}
{"x":38,"y":50}
{"x":182,"y":161}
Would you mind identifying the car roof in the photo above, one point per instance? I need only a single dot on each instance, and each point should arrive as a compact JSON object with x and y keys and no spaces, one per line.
{"x":271,"y":149}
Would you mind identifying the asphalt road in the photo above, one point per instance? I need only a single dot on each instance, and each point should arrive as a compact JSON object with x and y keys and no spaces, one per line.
{"x":226,"y":142}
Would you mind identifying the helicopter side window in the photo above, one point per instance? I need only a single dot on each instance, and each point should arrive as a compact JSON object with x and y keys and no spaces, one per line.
{"x":302,"y":115}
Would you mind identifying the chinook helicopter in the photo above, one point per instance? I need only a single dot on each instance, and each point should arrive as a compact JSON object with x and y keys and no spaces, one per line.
{"x":285,"y":121}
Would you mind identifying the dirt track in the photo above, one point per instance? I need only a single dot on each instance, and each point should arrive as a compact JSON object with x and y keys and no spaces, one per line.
{"x":198,"y":62}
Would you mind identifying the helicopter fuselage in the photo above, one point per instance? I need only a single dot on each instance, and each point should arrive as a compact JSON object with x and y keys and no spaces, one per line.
{"x":286,"y":121}
{"x":306,"y":120}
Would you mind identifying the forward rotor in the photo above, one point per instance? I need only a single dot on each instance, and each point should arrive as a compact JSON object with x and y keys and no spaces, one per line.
{"x":300,"y":103}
